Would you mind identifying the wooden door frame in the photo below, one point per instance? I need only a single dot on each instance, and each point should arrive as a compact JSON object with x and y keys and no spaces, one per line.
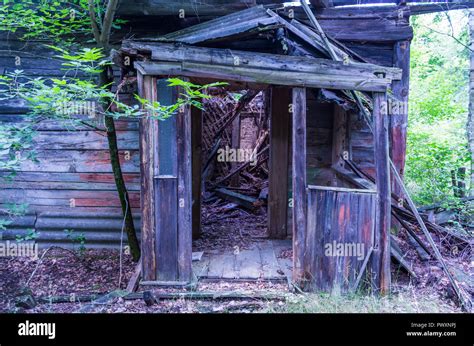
{"x":298,"y":109}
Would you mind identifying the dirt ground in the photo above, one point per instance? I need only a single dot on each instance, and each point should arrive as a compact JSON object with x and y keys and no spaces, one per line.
{"x":67,"y":273}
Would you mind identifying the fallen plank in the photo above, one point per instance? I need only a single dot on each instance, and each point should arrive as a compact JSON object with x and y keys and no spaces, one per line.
{"x":242,"y":200}
{"x":69,"y":298}
{"x":135,"y":279}
{"x":210,"y":295}
{"x":418,"y":243}
{"x":399,"y":258}
{"x":424,"y":256}
{"x":102,"y":300}
{"x":239,"y":168}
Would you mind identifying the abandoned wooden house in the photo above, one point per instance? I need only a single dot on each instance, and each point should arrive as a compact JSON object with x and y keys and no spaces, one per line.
{"x":327,"y":97}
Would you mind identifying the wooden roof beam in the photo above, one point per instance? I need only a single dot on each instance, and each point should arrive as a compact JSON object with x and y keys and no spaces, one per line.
{"x":260,"y":68}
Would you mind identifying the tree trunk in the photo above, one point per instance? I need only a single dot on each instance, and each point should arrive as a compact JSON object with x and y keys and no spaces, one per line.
{"x":102,"y":36}
{"x":129,"y":227}
{"x":470,"y":119}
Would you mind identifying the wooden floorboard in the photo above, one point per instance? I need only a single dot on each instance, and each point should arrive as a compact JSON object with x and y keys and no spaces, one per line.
{"x":270,"y":266}
{"x":250,"y":263}
{"x":228,"y":263}
{"x":201,"y":268}
{"x":216,"y":266}
{"x":285,"y":264}
{"x":259,"y":262}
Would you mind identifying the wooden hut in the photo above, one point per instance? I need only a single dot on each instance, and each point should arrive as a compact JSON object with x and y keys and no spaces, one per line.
{"x":338,"y":170}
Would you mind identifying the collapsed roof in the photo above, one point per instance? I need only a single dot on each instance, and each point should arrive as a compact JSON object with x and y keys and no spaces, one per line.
{"x":284,"y":51}
{"x":295,"y":37}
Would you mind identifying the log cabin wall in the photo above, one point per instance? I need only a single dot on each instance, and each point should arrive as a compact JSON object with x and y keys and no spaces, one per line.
{"x":72,"y":186}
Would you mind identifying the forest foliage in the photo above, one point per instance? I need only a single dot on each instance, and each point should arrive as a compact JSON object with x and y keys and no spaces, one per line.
{"x":438,"y":105}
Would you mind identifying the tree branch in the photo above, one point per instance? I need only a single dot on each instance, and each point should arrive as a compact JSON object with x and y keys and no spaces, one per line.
{"x":95,"y":27}
{"x":108,"y":21}
{"x":449,"y":35}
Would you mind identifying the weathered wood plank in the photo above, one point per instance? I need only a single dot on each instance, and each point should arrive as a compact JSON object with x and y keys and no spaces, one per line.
{"x":184,"y":196}
{"x":363,"y":30}
{"x":86,"y":178}
{"x":279,"y":157}
{"x":83,"y":140}
{"x":201,"y":268}
{"x":249,"y":263}
{"x":67,"y":198}
{"x":398,"y":110}
{"x":254,"y":77}
{"x":228,"y":266}
{"x":299,"y":181}
{"x":381,"y":255}
{"x":215,"y":267}
{"x":285,"y":264}
{"x":147,"y":89}
{"x":270,"y":267}
{"x":80,"y":161}
{"x":172,"y":53}
{"x":231,"y":196}
{"x":340,"y":226}
{"x":166,"y":217}
{"x":60,"y":128}
{"x":43,"y":181}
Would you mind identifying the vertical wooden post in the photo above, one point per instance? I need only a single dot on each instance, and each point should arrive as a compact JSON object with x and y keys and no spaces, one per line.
{"x":299,"y":181}
{"x":185,"y":199}
{"x":398,"y":110}
{"x":171,"y":162}
{"x":147,"y":89}
{"x":381,"y":254}
{"x":280,"y":99}
{"x":166,"y":189}
{"x":196,"y":129}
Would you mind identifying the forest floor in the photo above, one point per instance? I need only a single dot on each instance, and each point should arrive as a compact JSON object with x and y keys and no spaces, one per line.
{"x":74,"y":274}
{"x":98,"y":271}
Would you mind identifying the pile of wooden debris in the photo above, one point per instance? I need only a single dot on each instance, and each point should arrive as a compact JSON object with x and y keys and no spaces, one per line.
{"x":235,"y":145}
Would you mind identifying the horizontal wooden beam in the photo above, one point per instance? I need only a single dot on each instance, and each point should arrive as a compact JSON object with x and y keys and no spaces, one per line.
{"x":260,"y":68}
{"x":340,"y":189}
{"x":166,"y":52}
{"x":254,"y":77}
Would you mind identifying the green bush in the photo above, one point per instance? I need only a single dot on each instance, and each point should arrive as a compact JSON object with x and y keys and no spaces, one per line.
{"x":437,"y":141}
